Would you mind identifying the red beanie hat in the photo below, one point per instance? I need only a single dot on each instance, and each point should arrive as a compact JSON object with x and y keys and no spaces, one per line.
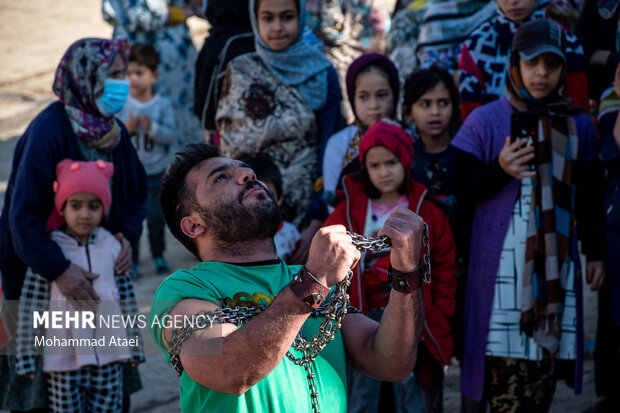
{"x":79,"y":176}
{"x":393,"y":137}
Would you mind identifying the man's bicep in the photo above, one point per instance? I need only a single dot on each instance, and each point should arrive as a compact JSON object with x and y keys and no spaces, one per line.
{"x":358,"y":333}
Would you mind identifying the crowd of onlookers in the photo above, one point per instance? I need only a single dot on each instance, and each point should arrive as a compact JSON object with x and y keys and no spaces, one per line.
{"x":497,"y":121}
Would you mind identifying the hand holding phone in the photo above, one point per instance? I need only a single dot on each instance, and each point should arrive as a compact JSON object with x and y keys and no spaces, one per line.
{"x":515,"y":159}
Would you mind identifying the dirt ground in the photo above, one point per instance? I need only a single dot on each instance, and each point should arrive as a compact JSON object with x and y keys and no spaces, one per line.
{"x":33,"y":36}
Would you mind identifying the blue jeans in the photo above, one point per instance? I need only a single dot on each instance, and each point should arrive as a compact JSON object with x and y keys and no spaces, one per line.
{"x":363,"y":392}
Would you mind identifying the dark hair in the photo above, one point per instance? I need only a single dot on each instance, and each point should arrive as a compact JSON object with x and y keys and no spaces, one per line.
{"x":267,"y":171}
{"x":144,"y":54}
{"x":176,"y":197}
{"x":370,"y":190}
{"x":423,"y":80}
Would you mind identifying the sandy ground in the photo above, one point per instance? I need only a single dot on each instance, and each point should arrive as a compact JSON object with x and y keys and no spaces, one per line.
{"x":33,"y":36}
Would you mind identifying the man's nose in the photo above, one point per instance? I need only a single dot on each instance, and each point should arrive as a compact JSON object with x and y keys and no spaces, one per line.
{"x":244,"y":175}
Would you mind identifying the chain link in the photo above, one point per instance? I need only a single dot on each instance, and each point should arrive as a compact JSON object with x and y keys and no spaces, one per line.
{"x":333,"y":313}
{"x":364,"y":244}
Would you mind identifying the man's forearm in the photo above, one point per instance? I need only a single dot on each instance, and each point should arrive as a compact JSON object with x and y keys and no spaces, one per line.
{"x":397,"y":338}
{"x":387,"y":350}
{"x":251,"y":352}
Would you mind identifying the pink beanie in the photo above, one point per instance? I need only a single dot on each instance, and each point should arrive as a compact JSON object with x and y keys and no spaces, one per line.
{"x":79,"y":176}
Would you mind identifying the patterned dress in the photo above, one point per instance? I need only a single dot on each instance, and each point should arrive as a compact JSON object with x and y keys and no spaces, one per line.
{"x":259,"y":115}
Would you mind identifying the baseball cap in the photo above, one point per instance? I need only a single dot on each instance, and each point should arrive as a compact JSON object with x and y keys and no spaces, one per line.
{"x":537,"y":37}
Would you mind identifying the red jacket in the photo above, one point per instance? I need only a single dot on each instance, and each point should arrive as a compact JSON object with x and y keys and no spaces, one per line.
{"x":439,"y":300}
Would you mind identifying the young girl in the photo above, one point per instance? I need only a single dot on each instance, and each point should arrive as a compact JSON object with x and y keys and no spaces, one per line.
{"x":84,"y":377}
{"x":524,"y":283}
{"x":273,"y":101}
{"x":431,"y":102}
{"x":373,"y":88}
{"x":386,"y":153}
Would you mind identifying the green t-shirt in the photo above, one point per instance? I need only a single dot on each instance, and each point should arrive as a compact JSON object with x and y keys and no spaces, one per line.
{"x":285,"y":389}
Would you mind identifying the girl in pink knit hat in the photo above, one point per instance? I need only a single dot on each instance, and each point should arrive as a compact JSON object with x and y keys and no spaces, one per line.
{"x":81,"y":353}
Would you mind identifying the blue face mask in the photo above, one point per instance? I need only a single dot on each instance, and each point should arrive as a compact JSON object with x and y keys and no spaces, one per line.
{"x":114,"y":96}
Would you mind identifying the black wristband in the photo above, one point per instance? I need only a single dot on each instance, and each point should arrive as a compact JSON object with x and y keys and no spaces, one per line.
{"x":308,"y":288}
{"x":406,"y":282}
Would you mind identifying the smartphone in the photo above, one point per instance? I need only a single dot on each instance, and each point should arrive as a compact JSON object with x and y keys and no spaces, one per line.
{"x":524,"y":126}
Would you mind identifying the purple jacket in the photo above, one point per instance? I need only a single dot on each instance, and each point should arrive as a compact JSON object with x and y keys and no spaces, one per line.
{"x":483,"y":135}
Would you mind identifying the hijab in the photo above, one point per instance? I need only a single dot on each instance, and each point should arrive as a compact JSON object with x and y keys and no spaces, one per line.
{"x":300,"y":65}
{"x":79,"y":81}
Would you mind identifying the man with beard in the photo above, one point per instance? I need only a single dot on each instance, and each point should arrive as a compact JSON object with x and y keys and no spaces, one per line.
{"x":232,"y":320}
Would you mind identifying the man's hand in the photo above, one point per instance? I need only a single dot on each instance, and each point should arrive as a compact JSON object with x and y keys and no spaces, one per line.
{"x":123,"y":262}
{"x":75,"y":284}
{"x":515,"y":157}
{"x":595,"y":274}
{"x":405,"y":229}
{"x":332,"y":254}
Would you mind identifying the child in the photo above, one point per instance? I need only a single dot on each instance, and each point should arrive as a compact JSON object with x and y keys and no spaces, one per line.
{"x":373,"y":88}
{"x":85,"y":378}
{"x":431,"y":101}
{"x":287,"y":235}
{"x":151,"y":123}
{"x":484,"y":56}
{"x":523,"y":288}
{"x":386,"y":154}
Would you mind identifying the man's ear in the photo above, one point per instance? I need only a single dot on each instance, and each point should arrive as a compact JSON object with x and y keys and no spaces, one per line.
{"x":191,"y":227}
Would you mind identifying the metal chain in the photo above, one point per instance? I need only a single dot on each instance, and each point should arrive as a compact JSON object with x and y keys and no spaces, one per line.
{"x":333,"y":313}
{"x":314,"y":395}
{"x":426,"y":258}
{"x":363,"y":244}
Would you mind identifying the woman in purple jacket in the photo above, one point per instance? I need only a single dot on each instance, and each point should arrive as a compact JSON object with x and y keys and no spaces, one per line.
{"x":522,"y":314}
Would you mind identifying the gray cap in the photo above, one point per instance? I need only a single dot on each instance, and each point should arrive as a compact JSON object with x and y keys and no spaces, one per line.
{"x":537,"y":37}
